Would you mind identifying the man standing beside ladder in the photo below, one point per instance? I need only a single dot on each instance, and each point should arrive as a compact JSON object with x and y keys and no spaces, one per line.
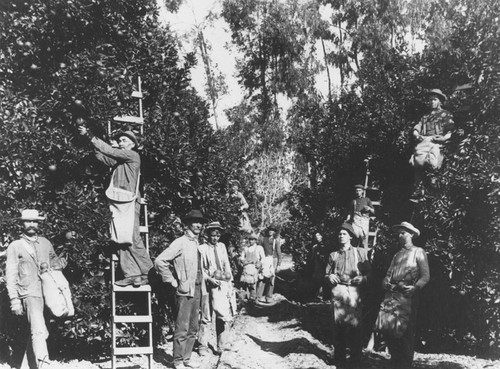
{"x":24,"y":258}
{"x":123,"y":197}
{"x":184,"y":257}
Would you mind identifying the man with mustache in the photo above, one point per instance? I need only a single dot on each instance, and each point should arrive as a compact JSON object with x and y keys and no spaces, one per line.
{"x":187,"y":278}
{"x":134,"y":259}
{"x":24,"y":258}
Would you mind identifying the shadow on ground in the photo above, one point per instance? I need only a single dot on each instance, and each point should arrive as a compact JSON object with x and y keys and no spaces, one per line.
{"x":294,"y":346}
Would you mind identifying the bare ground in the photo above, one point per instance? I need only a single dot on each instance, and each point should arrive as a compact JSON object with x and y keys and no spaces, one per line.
{"x":284,"y":335}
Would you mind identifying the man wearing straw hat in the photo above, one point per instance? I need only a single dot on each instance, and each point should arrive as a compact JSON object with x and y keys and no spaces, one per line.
{"x":24,"y":286}
{"x":219,"y":278}
{"x":407,"y":274}
{"x":123,"y":197}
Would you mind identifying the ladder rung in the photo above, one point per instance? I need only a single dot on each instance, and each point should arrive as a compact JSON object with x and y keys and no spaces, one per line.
{"x":372,"y":234}
{"x":137,"y":94}
{"x":133,"y":319}
{"x":143,"y":229}
{"x":144,"y":288}
{"x":376,"y":203}
{"x":133,"y":351}
{"x":128,"y":119}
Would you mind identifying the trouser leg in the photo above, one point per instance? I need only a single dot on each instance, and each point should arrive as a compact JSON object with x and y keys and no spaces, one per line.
{"x":194,"y":319}
{"x":339,"y":343}
{"x":270,"y":287}
{"x":183,"y":314}
{"x":261,"y":285}
{"x":38,"y":330}
{"x":134,"y":259}
{"x":252,"y":289}
{"x":222,"y":331}
{"x":355,"y":342}
{"x":205,"y":323}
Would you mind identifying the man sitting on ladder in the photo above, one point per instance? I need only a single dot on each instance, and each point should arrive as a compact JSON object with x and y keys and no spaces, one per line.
{"x":123,"y":197}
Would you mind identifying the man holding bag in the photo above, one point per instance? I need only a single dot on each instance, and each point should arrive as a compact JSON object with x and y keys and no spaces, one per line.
{"x":123,"y":197}
{"x":24,"y":258}
{"x":406,"y":276}
{"x":348,"y":270}
{"x":431,"y":132}
{"x":218,"y":301}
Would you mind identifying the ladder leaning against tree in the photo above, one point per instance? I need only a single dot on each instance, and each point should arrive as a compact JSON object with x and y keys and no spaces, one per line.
{"x":123,"y":320}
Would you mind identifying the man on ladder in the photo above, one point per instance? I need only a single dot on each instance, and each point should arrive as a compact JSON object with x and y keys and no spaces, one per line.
{"x":123,"y":197}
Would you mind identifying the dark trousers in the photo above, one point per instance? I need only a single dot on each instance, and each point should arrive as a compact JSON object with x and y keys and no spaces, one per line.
{"x":186,"y":325}
{"x":402,"y":349}
{"x":346,"y":336}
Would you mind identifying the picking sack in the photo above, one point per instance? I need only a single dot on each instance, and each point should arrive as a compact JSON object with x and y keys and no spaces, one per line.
{"x":56,"y":293}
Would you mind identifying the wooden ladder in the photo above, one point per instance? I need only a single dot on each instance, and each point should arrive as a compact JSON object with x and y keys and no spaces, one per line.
{"x":372,"y":231}
{"x":145,"y":290}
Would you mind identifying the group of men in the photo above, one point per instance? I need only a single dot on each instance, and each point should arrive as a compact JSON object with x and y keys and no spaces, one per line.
{"x":348,"y":270}
{"x":200,"y":272}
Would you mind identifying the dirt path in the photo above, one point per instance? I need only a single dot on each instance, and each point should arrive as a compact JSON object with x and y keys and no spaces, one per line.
{"x":286,"y":335}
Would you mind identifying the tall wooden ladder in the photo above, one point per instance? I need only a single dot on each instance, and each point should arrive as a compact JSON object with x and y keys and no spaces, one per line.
{"x":372,"y":228}
{"x":145,"y":290}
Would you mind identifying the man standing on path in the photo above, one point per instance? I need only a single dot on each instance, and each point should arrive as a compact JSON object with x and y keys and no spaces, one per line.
{"x":348,"y":269}
{"x":359,"y":214}
{"x":317,"y":261}
{"x":270,"y":265}
{"x":407,"y":274}
{"x":189,"y":283}
{"x":219,"y":279}
{"x":24,"y":257}
{"x":433,"y":130}
{"x":123,"y":196}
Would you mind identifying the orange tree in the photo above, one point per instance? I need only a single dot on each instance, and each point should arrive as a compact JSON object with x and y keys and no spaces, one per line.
{"x":459,"y":217}
{"x":69,"y":63}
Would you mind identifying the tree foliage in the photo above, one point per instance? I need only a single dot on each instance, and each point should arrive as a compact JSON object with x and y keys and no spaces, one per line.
{"x":64,"y":64}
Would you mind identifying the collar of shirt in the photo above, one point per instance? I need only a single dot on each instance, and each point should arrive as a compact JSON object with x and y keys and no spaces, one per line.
{"x":407,"y":247}
{"x":346,"y":249}
{"x":31,"y":240}
{"x":191,"y":236}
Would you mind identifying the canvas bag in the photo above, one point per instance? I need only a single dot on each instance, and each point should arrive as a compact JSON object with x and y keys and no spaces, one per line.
{"x":346,"y":301}
{"x":427,"y":154}
{"x":222,"y":295}
{"x":122,"y":207}
{"x":395,"y":312}
{"x":55,"y":289}
{"x":56,"y":293}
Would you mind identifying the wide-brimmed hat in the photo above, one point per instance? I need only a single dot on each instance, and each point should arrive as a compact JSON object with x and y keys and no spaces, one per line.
{"x":213,"y":225}
{"x":438,"y":93}
{"x":408,"y":227}
{"x":233,"y":182}
{"x":348,"y":227}
{"x":253,"y":236}
{"x":194,"y":215}
{"x":30,"y":214}
{"x":128,"y":134}
{"x":359,"y":186}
